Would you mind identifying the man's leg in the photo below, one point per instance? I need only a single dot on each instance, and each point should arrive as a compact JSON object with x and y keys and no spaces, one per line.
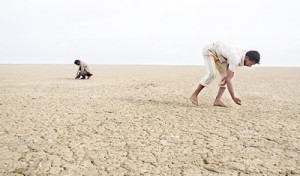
{"x":194,"y":97}
{"x":83,"y":74}
{"x":221,"y":67}
{"x":208,"y":78}
{"x":218,"y":101}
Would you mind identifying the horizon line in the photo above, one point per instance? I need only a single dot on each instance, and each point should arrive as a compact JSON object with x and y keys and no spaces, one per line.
{"x":135,"y":64}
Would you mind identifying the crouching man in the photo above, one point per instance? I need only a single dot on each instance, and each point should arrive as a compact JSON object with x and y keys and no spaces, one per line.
{"x":83,"y":70}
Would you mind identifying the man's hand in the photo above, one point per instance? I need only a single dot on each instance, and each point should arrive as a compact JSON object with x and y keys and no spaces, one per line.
{"x":223,"y":81}
{"x":237,"y":100}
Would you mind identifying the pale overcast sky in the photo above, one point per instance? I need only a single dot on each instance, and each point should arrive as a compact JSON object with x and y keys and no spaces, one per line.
{"x":156,"y":32}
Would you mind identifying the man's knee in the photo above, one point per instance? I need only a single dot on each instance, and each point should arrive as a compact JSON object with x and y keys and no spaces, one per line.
{"x":83,"y":73}
{"x":211,"y":76}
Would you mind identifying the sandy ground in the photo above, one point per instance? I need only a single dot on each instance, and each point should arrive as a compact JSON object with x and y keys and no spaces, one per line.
{"x":138,"y":120}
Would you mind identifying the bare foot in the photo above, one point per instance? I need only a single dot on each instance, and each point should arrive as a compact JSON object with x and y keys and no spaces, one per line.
{"x":194,"y":100}
{"x":220,"y":103}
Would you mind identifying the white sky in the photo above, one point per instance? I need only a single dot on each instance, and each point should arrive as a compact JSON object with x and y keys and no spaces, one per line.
{"x":146,"y":31}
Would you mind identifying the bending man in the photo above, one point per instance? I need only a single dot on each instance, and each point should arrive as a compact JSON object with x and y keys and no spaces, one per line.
{"x":225,"y":59}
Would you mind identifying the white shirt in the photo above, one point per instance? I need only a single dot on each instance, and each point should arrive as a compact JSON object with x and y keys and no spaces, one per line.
{"x":84,"y":66}
{"x":232,"y":55}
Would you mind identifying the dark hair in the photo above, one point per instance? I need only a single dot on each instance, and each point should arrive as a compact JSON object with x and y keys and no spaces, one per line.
{"x":77,"y":62}
{"x":253,"y":56}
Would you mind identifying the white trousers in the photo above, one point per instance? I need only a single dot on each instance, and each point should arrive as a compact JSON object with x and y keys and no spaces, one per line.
{"x":212,"y":65}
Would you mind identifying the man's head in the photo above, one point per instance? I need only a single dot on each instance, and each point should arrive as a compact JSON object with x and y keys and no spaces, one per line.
{"x":252,"y":57}
{"x":77,"y":62}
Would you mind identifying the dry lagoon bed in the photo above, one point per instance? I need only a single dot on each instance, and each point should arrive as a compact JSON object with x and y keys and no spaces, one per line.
{"x":138,"y":120}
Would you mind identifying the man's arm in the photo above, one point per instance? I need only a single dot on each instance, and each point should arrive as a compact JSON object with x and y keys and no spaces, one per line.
{"x":77,"y":74}
{"x":229,"y":77}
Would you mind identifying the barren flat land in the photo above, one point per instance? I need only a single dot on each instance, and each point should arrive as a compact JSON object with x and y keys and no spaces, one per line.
{"x":138,"y":120}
